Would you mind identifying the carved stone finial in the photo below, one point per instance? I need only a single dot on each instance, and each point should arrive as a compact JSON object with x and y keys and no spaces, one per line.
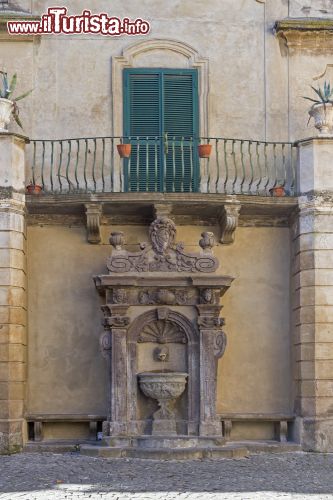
{"x":93,"y":214}
{"x":117,"y":240}
{"x":228,"y":219}
{"x":162,"y":233}
{"x":207,"y":241}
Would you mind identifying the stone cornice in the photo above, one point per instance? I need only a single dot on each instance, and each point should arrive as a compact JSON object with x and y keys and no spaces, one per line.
{"x":12,"y":15}
{"x":306,"y":33}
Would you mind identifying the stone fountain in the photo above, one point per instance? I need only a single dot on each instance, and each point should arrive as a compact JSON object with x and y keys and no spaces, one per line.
{"x":165,"y":387}
{"x":162,"y":339}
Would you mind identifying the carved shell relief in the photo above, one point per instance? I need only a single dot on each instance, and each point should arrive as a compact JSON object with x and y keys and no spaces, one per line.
{"x":162,"y":332}
{"x":162,"y":254}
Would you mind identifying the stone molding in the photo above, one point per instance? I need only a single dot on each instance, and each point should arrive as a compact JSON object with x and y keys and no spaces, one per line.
{"x":306,"y":33}
{"x":192,"y":59}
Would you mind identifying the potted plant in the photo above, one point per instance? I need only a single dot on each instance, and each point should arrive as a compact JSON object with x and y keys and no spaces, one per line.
{"x":124,"y":150}
{"x":33,"y":188}
{"x":8,"y":106}
{"x":204,"y":150}
{"x":278,"y":190}
{"x":322,"y":109}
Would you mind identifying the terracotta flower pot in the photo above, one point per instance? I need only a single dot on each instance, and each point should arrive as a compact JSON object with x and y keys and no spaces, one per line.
{"x":34,"y":189}
{"x":277,"y":191}
{"x":204,"y":150}
{"x":124,"y":150}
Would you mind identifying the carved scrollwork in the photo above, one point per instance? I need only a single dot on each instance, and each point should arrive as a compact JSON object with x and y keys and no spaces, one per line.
{"x":220,"y":344}
{"x":162,"y":255}
{"x":93,"y":214}
{"x":228,"y":219}
{"x":105,"y":343}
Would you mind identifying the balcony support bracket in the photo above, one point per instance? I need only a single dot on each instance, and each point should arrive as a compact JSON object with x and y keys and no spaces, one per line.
{"x":228,"y":221}
{"x":162,"y":210}
{"x":93,"y":213}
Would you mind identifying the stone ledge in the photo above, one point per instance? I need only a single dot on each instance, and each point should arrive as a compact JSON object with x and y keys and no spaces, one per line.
{"x":305,"y":33}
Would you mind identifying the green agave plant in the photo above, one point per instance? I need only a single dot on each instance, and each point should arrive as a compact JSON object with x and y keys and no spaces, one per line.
{"x":324,"y":94}
{"x":6,"y":91}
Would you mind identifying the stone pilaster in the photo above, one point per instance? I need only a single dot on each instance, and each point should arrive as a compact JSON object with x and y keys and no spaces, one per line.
{"x":116,"y":322}
{"x":12,"y":292}
{"x":212,"y":346}
{"x":313,"y":296}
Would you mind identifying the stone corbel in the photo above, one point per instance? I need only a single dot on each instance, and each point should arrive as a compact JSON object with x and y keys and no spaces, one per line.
{"x":93,"y":214}
{"x":228,"y":220}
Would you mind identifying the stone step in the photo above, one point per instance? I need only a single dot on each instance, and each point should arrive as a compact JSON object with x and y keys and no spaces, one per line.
{"x":164,"y":453}
{"x":163,"y":442}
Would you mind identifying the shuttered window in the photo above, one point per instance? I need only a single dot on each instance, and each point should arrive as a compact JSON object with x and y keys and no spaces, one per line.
{"x":161,"y":123}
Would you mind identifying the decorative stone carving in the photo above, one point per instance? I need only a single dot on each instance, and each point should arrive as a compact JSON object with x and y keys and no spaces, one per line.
{"x":93,"y":214}
{"x":117,"y":240}
{"x":162,"y":233}
{"x":119,"y":296}
{"x":228,"y":220}
{"x":105,"y":343}
{"x":161,"y":353}
{"x":162,"y":332}
{"x":220,"y":344}
{"x":117,"y":321}
{"x":207,"y":241}
{"x":210,"y":322}
{"x":161,"y":255}
{"x":209,"y":296}
{"x":166,"y":296}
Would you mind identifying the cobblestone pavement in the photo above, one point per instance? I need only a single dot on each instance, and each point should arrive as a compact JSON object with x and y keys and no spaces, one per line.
{"x":44,"y":476}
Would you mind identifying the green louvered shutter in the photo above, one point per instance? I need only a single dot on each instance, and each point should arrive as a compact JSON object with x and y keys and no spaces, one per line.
{"x":142,"y":113}
{"x":161,"y":121}
{"x":180,"y":120}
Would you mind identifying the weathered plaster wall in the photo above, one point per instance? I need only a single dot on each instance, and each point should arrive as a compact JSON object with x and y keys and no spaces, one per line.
{"x":249,"y":71}
{"x":66,"y":373}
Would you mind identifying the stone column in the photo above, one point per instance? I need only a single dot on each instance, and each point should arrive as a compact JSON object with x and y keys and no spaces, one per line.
{"x":12,"y":291}
{"x":313,"y":295}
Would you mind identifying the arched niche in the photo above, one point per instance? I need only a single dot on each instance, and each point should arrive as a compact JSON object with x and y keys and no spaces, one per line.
{"x":178,"y":329}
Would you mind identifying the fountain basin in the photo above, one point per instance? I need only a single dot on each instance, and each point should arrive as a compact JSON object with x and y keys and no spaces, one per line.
{"x":162,"y":385}
{"x":165,"y":387}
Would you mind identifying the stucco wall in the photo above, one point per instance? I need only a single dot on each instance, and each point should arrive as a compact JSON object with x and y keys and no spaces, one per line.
{"x":66,"y":373}
{"x":251,"y":78}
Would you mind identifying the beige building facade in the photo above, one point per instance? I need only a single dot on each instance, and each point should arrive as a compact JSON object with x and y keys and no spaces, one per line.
{"x":249,"y":63}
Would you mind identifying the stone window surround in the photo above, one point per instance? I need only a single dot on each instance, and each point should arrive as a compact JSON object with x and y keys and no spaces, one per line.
{"x":192,"y":60}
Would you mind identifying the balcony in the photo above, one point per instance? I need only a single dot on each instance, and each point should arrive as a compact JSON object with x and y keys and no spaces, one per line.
{"x":78,"y":172}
